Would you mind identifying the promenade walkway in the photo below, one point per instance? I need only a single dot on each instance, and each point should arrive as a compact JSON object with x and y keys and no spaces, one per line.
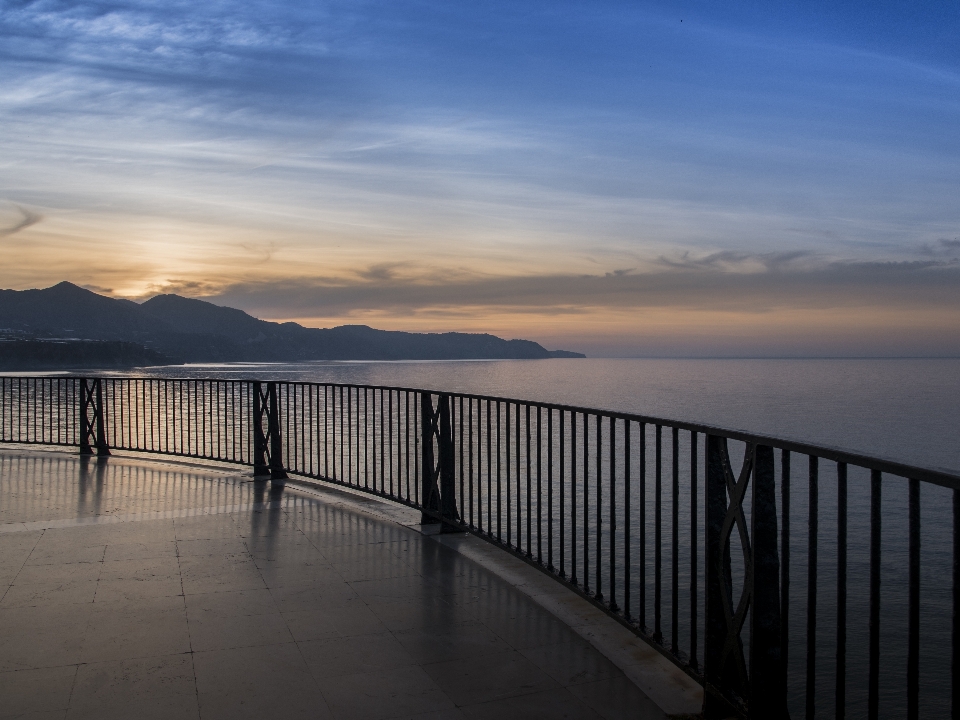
{"x":148,"y":589}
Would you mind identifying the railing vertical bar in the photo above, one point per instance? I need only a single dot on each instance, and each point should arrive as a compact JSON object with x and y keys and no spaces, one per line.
{"x":675,"y":549}
{"x":612,"y":552}
{"x":382,"y":457}
{"x":913,"y":643}
{"x":394,"y":490}
{"x":599,"y":518}
{"x":658,"y":536}
{"x":509,"y":478}
{"x":539,"y":487}
{"x":416,"y":455}
{"x":627,"y":540}
{"x":519,"y":449}
{"x":341,"y":474}
{"x":812,"y":525}
{"x":499,"y":488}
{"x":573,"y":497}
{"x":460,"y":449}
{"x":955,"y":630}
{"x":366,"y":438}
{"x":529,"y":485}
{"x":550,"y":489}
{"x":840,"y":694}
{"x":784,"y":556}
{"x":470,"y":476}
{"x":642,"y":493}
{"x":586,"y":503}
{"x":873,"y":685}
{"x":489,"y":468}
{"x":561,"y":479}
{"x":693,"y":549}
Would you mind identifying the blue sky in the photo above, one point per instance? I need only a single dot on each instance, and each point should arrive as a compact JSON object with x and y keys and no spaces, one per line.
{"x":624,"y":178}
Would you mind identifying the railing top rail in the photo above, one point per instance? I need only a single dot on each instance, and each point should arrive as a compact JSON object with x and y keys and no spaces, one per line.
{"x":942,"y":477}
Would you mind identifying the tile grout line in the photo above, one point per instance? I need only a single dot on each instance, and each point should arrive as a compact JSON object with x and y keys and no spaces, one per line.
{"x":22,"y":566}
{"x":186,"y":617}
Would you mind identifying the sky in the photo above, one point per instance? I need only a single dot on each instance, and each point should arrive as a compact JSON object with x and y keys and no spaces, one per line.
{"x":620,"y":178}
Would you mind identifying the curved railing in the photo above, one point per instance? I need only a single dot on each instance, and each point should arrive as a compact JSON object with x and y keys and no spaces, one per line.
{"x":775,"y":589}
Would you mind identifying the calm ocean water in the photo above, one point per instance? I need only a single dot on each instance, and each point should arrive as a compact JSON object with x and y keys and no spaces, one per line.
{"x":906,"y":410}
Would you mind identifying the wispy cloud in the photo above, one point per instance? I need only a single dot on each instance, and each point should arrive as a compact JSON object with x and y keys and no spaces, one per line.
{"x":28,"y":218}
{"x":696,"y":286}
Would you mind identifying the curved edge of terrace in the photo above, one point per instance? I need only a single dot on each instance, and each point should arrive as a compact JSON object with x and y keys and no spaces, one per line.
{"x":606,"y":503}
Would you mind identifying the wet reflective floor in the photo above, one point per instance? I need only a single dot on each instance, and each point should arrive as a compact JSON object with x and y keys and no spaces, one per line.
{"x":134,"y":588}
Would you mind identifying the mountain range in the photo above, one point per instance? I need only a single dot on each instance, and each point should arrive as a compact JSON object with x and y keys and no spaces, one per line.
{"x":188,"y":330}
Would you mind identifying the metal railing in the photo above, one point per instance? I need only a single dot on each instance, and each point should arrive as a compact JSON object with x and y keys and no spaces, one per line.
{"x":719,"y":570}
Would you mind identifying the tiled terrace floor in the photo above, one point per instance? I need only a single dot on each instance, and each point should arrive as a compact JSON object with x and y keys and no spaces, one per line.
{"x":133,"y":588}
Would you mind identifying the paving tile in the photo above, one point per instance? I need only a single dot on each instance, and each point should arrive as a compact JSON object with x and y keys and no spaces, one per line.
{"x":141,"y":569}
{"x":310,"y":596}
{"x":123,"y":630}
{"x":206,"y":527}
{"x":41,"y":715}
{"x":33,"y":691}
{"x":617,"y":699}
{"x":338,"y":656}
{"x":293,"y":551}
{"x":521,"y":623}
{"x":217,"y":632}
{"x":427,"y":613}
{"x":262,"y":682}
{"x":212,"y":546}
{"x":59,"y":572}
{"x":153,"y":687}
{"x":36,"y":637}
{"x":480,"y":679}
{"x":65,"y":552}
{"x":230,"y":604}
{"x":448,"y":714}
{"x":140,"y":550}
{"x":387,"y":694}
{"x":411,"y":586}
{"x":45,"y":594}
{"x":299,"y":575}
{"x":548,"y":705}
{"x":215,"y":574}
{"x":344,"y":618}
{"x":469,"y":639}
{"x":19,"y":545}
{"x":572,"y":663}
{"x":135,"y":590}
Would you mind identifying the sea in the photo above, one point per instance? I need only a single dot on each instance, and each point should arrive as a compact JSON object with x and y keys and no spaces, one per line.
{"x":907,"y":410}
{"x":901,"y":409}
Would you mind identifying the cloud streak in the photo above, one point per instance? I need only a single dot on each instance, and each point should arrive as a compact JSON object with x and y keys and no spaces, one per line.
{"x":28,"y":218}
{"x":697,"y":285}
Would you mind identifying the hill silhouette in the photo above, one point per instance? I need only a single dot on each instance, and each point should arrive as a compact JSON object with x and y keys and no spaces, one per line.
{"x":190,"y":330}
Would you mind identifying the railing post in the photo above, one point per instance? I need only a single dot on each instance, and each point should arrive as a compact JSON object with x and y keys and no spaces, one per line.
{"x":277,"y":472}
{"x":438,"y":484}
{"x":429,"y":492}
{"x":762,"y":691}
{"x":91,"y":418}
{"x":768,"y":681}
{"x":718,"y":580}
{"x":267,"y":445}
{"x":447,"y":462}
{"x":260,"y":466}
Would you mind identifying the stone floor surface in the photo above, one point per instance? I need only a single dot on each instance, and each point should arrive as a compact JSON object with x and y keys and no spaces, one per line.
{"x":133,"y":588}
